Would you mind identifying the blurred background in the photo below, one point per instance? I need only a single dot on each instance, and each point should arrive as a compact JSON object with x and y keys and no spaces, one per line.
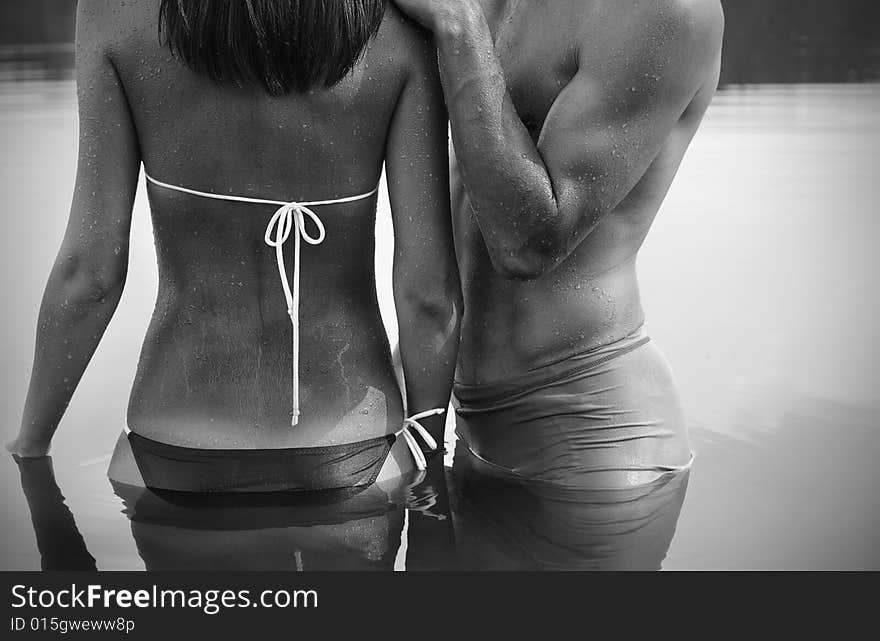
{"x":760,"y":280}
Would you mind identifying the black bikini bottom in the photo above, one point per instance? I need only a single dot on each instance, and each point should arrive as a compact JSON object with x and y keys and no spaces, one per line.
{"x":185,"y":469}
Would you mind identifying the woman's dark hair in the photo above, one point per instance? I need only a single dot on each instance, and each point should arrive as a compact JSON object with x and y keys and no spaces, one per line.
{"x":284,"y":45}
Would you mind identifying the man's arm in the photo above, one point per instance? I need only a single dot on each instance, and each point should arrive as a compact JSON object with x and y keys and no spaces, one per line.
{"x":535,"y":203}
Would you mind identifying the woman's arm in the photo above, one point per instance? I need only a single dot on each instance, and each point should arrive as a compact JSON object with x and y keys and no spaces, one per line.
{"x":87,"y":279}
{"x":427,"y":292}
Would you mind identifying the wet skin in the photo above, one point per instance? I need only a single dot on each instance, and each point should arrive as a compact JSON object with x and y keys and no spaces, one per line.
{"x":569,"y":122}
{"x":215,"y":369}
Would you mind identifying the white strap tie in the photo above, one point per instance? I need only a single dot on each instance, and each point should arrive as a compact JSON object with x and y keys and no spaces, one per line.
{"x":412,"y":423}
{"x":290,"y":216}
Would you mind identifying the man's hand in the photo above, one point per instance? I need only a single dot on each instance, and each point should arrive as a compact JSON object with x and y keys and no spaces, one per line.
{"x":431,"y":13}
{"x":422,"y":11}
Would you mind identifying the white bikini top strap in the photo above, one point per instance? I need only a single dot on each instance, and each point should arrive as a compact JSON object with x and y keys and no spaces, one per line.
{"x":259,"y":201}
{"x":288,"y":217}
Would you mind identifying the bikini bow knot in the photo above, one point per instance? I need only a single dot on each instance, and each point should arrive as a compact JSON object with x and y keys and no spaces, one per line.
{"x":291,"y":217}
{"x":412,"y":423}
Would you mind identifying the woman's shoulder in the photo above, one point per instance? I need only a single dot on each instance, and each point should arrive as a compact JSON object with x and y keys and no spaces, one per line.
{"x":402,"y":41}
{"x":114,"y":15}
{"x":111,"y":24}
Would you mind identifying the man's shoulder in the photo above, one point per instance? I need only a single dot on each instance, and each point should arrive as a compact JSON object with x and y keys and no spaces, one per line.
{"x":697,"y":21}
{"x":675,"y":42}
{"x":696,"y":26}
{"x":671,"y":23}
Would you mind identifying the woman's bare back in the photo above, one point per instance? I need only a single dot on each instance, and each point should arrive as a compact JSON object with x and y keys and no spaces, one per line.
{"x":215,"y":369}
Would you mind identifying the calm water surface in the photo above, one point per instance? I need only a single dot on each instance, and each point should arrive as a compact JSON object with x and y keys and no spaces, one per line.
{"x":761,"y":281}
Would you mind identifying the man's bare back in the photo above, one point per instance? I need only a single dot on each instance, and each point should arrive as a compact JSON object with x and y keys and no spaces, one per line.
{"x":569,"y":120}
{"x":621,"y":58}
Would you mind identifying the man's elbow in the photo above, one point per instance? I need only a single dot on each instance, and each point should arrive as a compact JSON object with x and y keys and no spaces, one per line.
{"x":545,"y":250}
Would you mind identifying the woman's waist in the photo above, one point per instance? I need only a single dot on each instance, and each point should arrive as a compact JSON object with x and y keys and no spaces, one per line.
{"x":239,"y":384}
{"x":245,"y":415}
{"x":231,"y":348}
{"x":241,"y":302}
{"x":242,"y":320}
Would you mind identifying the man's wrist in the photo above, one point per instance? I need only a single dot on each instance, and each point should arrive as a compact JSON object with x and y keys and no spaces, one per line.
{"x":454,"y":19}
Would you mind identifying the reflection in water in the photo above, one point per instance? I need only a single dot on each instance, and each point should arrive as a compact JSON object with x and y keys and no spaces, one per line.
{"x":358,"y":529}
{"x":505,"y":524}
{"x":498,"y":526}
{"x":175,"y":531}
{"x":58,"y":539}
